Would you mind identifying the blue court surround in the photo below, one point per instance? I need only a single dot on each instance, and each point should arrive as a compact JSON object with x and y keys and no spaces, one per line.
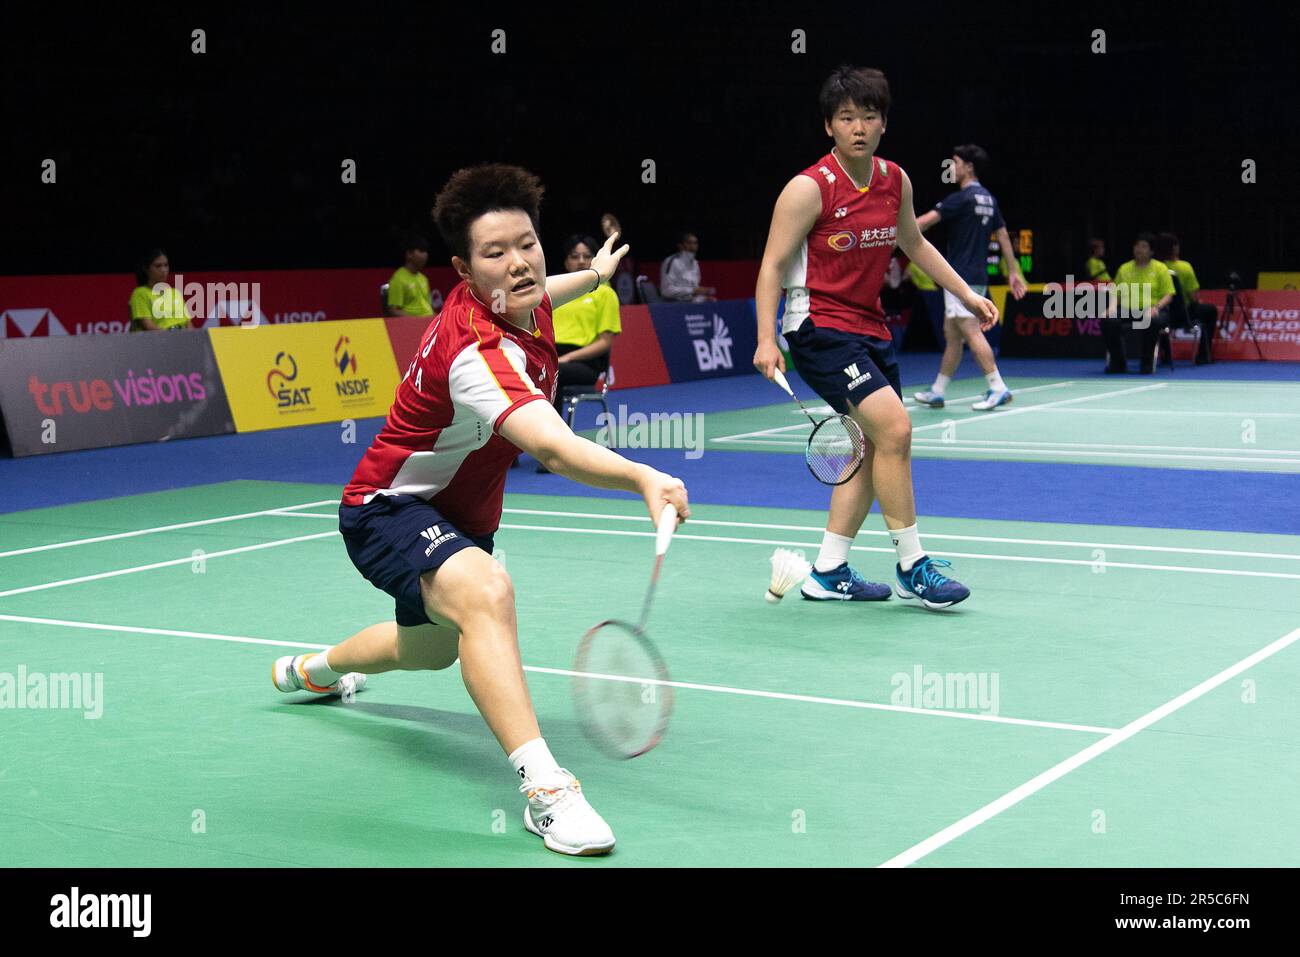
{"x":1026,"y":491}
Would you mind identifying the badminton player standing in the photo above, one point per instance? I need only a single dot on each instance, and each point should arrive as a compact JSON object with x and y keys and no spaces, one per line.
{"x":832,"y":234}
{"x":973,"y":215}
{"x":419,"y":514}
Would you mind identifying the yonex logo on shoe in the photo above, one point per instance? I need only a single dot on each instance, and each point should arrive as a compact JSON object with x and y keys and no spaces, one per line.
{"x":854,"y":378}
{"x":545,"y":822}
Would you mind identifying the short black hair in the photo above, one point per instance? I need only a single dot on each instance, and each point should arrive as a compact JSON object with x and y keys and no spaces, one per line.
{"x":686,"y":234}
{"x":1148,"y":238}
{"x":144,"y":262}
{"x":972,"y":154}
{"x":415,"y":241}
{"x":579,"y":239}
{"x":1165,"y":244}
{"x":475,"y":190}
{"x":864,"y":86}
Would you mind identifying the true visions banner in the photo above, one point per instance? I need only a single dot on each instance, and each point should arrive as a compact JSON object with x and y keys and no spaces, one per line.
{"x":63,"y":393}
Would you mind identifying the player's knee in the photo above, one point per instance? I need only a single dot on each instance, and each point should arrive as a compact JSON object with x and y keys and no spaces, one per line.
{"x":495,"y":592}
{"x":894,"y":437}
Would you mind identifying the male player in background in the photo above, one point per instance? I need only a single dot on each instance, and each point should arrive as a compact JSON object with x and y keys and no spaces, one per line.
{"x":972,"y":215}
{"x":419,"y":514}
{"x":833,"y":232}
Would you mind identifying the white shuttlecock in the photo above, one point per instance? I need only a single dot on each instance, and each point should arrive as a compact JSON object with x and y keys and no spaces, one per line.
{"x":788,"y":569}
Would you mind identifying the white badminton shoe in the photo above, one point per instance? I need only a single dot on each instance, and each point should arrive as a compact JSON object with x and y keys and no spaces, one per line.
{"x":558,"y":813}
{"x":289,"y":675}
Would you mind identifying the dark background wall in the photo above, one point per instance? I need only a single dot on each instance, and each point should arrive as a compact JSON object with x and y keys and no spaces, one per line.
{"x":232,"y":159}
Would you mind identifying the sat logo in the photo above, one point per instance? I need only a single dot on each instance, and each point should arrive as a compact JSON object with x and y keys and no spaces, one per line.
{"x":286,"y":396}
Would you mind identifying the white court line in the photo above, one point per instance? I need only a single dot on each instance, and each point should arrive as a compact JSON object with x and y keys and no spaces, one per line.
{"x":752,"y":437}
{"x":1145,"y":456}
{"x":996,"y":415}
{"x":911,"y":403}
{"x":718,"y":689}
{"x":864,"y":548}
{"x":1031,"y":443}
{"x":1202,"y":412}
{"x":189,"y":559}
{"x":1015,"y":796}
{"x":908,"y":403}
{"x":163,"y":528}
{"x":1118,"y":546}
{"x":1241,"y":573}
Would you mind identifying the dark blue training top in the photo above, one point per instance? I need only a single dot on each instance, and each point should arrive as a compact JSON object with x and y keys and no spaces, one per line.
{"x":972,"y":215}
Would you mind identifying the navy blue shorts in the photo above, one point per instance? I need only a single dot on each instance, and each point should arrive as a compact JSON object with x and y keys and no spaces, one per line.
{"x":394,"y":539}
{"x":843,"y":367}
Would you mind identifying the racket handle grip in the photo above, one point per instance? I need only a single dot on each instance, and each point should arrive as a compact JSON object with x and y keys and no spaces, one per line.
{"x":779,"y":376}
{"x":667,"y":525}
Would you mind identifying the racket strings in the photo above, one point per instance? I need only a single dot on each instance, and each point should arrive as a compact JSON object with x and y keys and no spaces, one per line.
{"x":835,"y":449}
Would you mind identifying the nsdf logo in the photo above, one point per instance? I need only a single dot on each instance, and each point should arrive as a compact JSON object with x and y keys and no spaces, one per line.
{"x":280,"y":382}
{"x":350,"y":387}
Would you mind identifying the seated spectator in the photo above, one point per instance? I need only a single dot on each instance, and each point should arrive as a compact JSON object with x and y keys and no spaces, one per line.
{"x":584,"y":328}
{"x":1143,"y":291}
{"x":624,"y":281}
{"x":679,"y":276}
{"x":408,"y":290}
{"x":1094,"y":269}
{"x":1199,"y":313}
{"x":154,"y":304}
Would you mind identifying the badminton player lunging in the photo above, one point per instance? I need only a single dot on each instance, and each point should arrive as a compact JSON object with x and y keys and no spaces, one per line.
{"x":833,"y":231}
{"x":419,"y":514}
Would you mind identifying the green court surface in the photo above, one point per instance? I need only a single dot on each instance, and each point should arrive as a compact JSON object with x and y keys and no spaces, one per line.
{"x":1158,"y":665}
{"x":1153,"y":421}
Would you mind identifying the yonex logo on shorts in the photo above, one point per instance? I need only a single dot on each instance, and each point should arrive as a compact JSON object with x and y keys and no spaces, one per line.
{"x":435,"y":539}
{"x":856,"y":379}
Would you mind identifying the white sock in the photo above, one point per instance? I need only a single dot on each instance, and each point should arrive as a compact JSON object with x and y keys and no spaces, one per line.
{"x":908,"y":544}
{"x":834,"y":553}
{"x":995,"y":381}
{"x":532,"y":760}
{"x":940,"y":383}
{"x":319,"y":671}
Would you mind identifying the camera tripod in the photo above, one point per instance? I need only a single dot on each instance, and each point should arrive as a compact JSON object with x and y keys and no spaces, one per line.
{"x":1231,"y":305}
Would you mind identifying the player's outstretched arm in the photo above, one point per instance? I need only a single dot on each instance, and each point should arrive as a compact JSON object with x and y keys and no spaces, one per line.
{"x":538,"y":429}
{"x":932,"y":263}
{"x":796,"y":212}
{"x":565,"y":287}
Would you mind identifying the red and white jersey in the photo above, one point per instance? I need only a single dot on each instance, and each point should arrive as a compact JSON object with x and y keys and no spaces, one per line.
{"x":440,"y":441}
{"x":841,"y":266}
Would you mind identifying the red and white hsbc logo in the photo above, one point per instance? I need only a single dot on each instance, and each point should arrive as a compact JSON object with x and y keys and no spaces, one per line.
{"x":25,"y":323}
{"x":35,"y":323}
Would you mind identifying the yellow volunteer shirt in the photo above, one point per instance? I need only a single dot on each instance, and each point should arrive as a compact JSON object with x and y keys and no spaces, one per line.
{"x":409,"y":292}
{"x":1152,"y":280}
{"x":919,"y":279}
{"x":1186,"y":277}
{"x":1097,"y":271}
{"x":166,"y":309}
{"x":580,"y":322}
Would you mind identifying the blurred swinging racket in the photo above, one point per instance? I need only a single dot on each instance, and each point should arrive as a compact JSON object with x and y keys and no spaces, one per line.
{"x":620,"y":687}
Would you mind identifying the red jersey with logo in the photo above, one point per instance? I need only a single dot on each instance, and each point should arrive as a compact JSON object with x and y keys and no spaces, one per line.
{"x":836,"y":280}
{"x":441,"y":440}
